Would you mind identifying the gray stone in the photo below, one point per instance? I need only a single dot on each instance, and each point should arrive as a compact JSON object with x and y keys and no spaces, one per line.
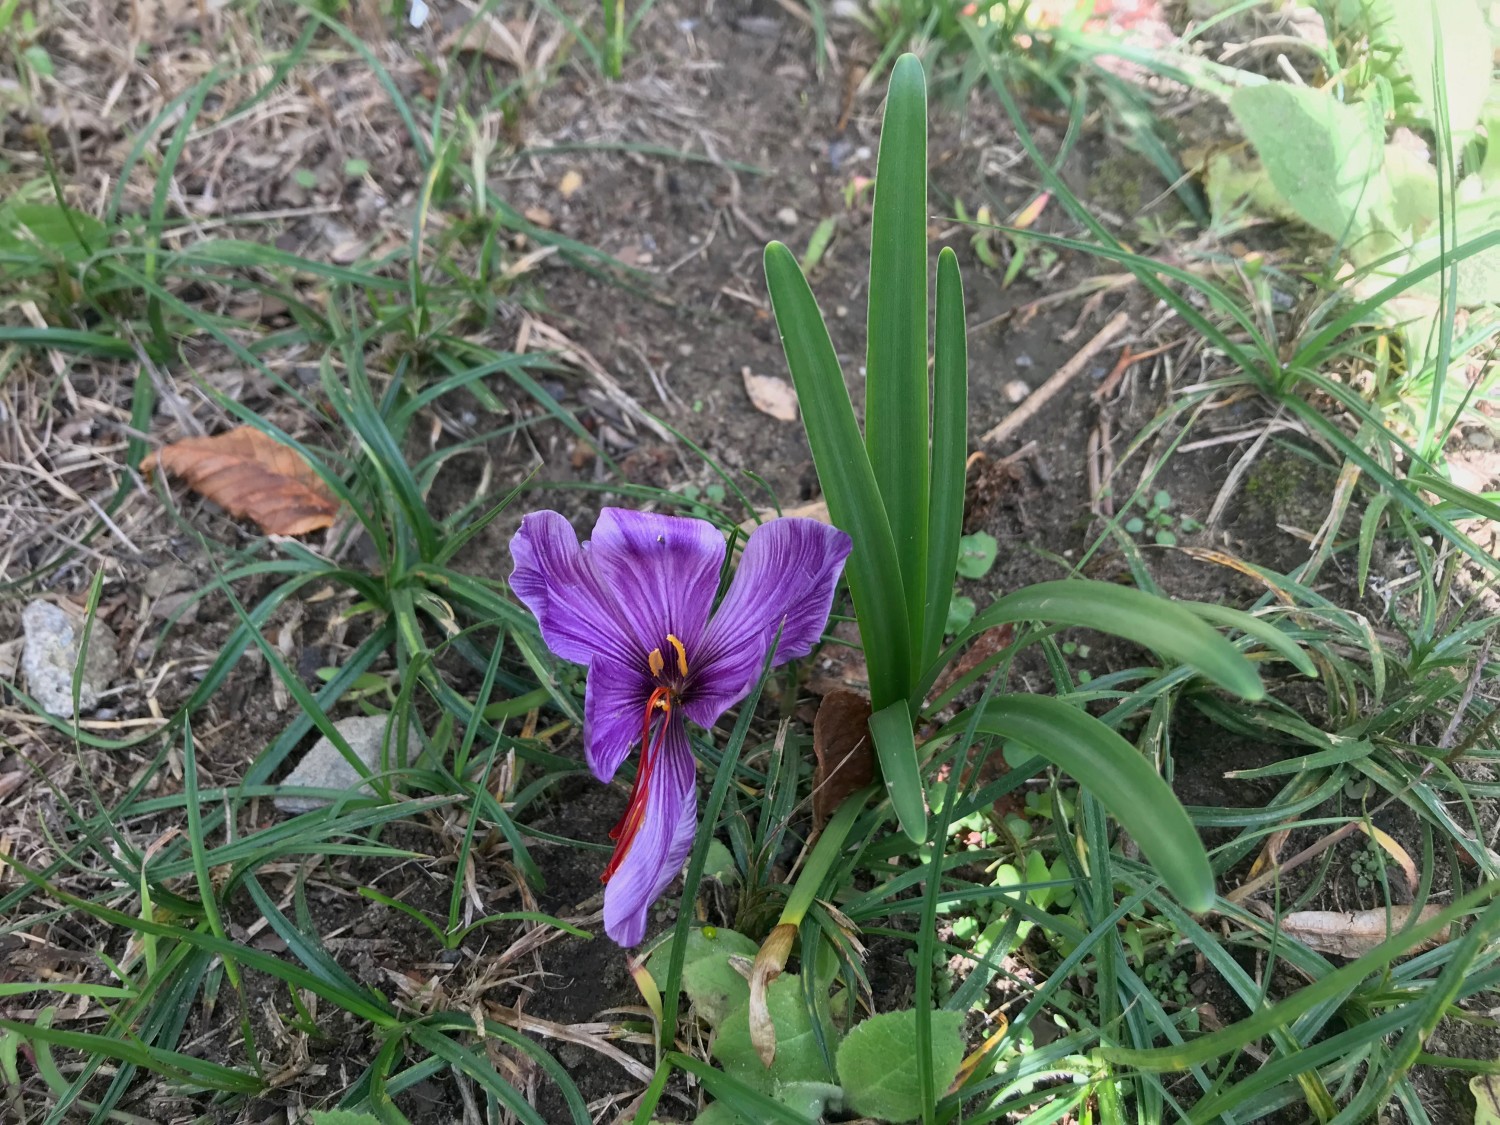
{"x":50,"y":654}
{"x":323,"y":767}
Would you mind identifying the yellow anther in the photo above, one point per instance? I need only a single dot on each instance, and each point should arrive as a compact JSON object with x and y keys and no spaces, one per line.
{"x":681,"y":654}
{"x":655,"y":662}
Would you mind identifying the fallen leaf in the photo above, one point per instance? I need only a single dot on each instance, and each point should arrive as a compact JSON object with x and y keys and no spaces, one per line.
{"x":812,"y":510}
{"x":986,"y":645}
{"x":488,"y":37}
{"x":1345,"y":933}
{"x":1270,"y":853}
{"x":841,"y":744}
{"x":572,"y":180}
{"x":252,"y":476}
{"x":771,"y":395}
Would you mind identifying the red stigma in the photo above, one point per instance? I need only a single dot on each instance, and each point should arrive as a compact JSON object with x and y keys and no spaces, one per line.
{"x":625,"y":831}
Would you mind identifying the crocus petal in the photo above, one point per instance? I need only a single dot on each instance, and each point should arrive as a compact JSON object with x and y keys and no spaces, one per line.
{"x":785,"y":581}
{"x":614,"y":707}
{"x":663,"y":571}
{"x":555,"y":579}
{"x":661,"y":844}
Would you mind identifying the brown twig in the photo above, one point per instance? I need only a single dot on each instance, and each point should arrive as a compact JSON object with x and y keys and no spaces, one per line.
{"x":1064,"y":375}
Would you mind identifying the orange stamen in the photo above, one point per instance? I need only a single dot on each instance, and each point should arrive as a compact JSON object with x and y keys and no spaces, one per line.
{"x":624,"y":832}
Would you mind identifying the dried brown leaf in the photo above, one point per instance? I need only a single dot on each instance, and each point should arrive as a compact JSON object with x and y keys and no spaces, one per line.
{"x":1344,"y":933}
{"x":984,"y":646}
{"x":251,"y":476}
{"x":846,"y":757}
{"x":1395,"y":851}
{"x":812,"y":510}
{"x":770,"y":395}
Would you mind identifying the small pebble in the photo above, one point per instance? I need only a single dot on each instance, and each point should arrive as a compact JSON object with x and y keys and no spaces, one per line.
{"x":51,"y":653}
{"x":1016,"y":391}
{"x":323,"y":767}
{"x":1481,"y":439}
{"x":787,"y":216}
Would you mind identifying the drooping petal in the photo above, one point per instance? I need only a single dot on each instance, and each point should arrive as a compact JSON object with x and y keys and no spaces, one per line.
{"x":662,"y":570}
{"x":614,"y":706}
{"x":555,"y":578}
{"x":661,"y":844}
{"x":785,"y":581}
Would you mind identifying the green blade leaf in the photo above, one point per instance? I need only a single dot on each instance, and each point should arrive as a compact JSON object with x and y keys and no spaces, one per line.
{"x":896,"y":747}
{"x":196,"y":1072}
{"x":1332,"y":988}
{"x":1116,"y":773}
{"x":950,"y":444}
{"x":848,"y":481}
{"x":1151,"y":622}
{"x":1259,"y":628}
{"x":896,"y":361}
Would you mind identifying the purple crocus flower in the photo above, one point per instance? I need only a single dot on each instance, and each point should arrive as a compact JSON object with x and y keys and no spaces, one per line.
{"x":634,"y":604}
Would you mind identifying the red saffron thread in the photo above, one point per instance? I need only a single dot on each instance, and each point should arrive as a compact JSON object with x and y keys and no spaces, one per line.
{"x":624,"y":832}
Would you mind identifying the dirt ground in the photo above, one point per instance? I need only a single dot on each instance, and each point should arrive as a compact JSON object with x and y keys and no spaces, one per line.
{"x":774,"y":148}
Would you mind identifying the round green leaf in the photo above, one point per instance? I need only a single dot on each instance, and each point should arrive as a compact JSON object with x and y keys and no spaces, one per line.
{"x":711,"y":983}
{"x":976,"y":554}
{"x":878,"y":1063}
{"x":798,"y":1056}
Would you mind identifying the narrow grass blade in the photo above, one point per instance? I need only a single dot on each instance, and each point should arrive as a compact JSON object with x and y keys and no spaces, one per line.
{"x":1258,"y":628}
{"x":1333,"y":987}
{"x":1155,"y":623}
{"x":750,"y":1105}
{"x":198,"y":1073}
{"x":896,"y":359}
{"x":950,"y":445}
{"x":895,"y":745}
{"x":1117,"y":774}
{"x":844,"y":470}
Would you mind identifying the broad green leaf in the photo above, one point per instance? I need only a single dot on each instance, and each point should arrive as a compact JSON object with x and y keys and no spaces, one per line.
{"x":342,"y":1117}
{"x":854,"y":504}
{"x":713,"y":986}
{"x":1423,"y":29}
{"x":810,"y":1099}
{"x":1414,"y":191}
{"x":1326,"y":158}
{"x":976,"y":554}
{"x":896,"y":388}
{"x":961,"y":610}
{"x":950,"y":447}
{"x":878,"y":1063}
{"x":1150,"y":621}
{"x":1478,"y":273}
{"x":742,"y":1101}
{"x":719,"y":1113}
{"x":798,"y":1057}
{"x":49,"y":229}
{"x":1116,"y":773}
{"x":896,"y":747}
{"x":1486,"y":1091}
{"x":1259,"y":628}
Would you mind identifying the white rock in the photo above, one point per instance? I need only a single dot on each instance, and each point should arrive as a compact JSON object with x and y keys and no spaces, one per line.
{"x":1016,"y":391}
{"x":787,"y":216}
{"x":323,"y":767}
{"x":50,"y":653}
